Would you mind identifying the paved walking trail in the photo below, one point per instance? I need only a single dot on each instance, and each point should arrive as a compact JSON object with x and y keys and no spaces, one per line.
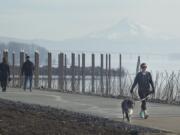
{"x":162,"y":116}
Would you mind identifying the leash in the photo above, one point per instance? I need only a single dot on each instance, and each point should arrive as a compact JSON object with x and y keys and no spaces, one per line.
{"x":139,"y":100}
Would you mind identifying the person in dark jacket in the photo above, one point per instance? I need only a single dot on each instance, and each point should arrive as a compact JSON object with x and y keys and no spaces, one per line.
{"x":144,"y":80}
{"x":27,"y":70}
{"x":4,"y":74}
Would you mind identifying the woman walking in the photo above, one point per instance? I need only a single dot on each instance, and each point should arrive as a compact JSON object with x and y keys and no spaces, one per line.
{"x":144,"y":80}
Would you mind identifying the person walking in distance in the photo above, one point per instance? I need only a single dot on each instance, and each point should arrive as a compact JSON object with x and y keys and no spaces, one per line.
{"x":144,"y":80}
{"x":27,"y":70}
{"x":4,"y":73}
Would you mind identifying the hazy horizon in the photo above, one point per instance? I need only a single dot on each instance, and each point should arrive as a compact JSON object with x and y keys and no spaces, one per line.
{"x":66,"y":19}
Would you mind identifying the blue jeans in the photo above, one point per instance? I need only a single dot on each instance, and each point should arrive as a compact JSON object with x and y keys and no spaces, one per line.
{"x":30,"y":82}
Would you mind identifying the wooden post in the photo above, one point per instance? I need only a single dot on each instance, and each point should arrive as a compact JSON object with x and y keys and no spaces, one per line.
{"x":101,"y":75}
{"x":13,"y":69}
{"x":107,"y":86}
{"x":65,"y":72}
{"x":36,"y":73}
{"x":138,"y":65}
{"x":5,"y":54}
{"x":61,"y":72}
{"x":59,"y":77}
{"x":79,"y":69}
{"x":93,"y":73}
{"x":49,"y":70}
{"x":120,"y":75}
{"x":21,"y":64}
{"x":83,"y":72}
{"x":73,"y":72}
{"x":109,"y":73}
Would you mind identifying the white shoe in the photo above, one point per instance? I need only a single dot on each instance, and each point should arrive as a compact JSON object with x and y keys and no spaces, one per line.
{"x":146,"y":115}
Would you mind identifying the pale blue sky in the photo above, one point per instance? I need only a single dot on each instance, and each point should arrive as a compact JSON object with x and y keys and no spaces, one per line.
{"x":63,"y":19}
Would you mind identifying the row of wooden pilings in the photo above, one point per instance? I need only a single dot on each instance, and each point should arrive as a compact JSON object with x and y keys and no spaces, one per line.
{"x":105,"y":85}
{"x":81,"y":64}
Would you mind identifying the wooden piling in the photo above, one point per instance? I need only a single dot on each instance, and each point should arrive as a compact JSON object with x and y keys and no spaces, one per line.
{"x":120,"y":75}
{"x":73,"y":72}
{"x":93,"y":73}
{"x":5,"y":54}
{"x":49,"y":70}
{"x":83,"y":72}
{"x":101,"y":74}
{"x":65,"y":72}
{"x":13,"y":69}
{"x":107,"y":86}
{"x":79,"y":71}
{"x":61,"y":72}
{"x":21,"y":64}
{"x":36,"y":72}
{"x":138,"y":65}
{"x":109,"y":74}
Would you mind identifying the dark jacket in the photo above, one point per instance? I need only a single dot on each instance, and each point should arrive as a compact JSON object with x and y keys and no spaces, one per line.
{"x":27,"y":68}
{"x":4,"y":72}
{"x":144,"y":82}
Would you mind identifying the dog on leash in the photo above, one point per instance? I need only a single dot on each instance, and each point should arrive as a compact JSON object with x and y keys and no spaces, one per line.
{"x":127,"y":109}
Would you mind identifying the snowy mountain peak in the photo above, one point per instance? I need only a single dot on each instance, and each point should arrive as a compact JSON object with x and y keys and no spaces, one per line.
{"x":124,"y":29}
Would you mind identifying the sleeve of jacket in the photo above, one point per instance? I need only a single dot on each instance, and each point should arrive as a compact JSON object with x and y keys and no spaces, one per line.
{"x":152,"y":83}
{"x":135,"y":83}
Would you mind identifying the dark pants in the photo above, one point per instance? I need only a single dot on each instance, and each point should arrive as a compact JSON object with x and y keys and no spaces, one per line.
{"x":142,"y":95}
{"x":3,"y":85}
{"x":30,"y":82}
{"x":143,"y":105}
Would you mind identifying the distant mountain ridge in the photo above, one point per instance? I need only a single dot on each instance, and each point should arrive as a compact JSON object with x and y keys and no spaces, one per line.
{"x":125,"y":36}
{"x":29,"y":49}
